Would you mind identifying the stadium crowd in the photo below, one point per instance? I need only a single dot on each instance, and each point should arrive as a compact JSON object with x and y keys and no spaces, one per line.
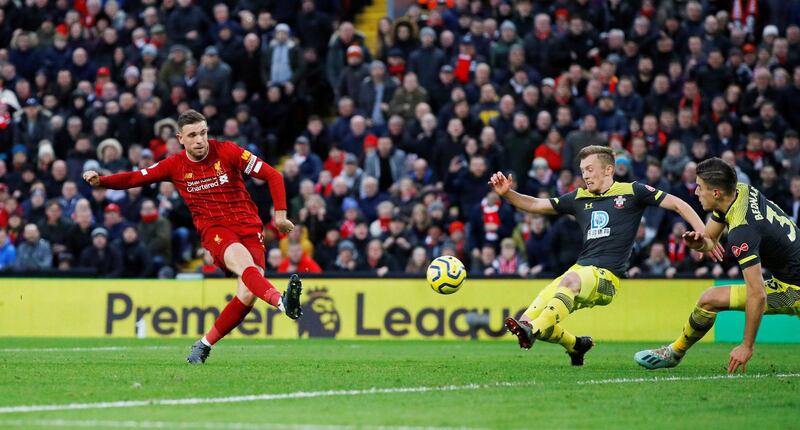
{"x":386,"y":155}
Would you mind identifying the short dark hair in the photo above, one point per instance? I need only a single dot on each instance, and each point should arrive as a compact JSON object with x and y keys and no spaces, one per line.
{"x":717,"y":174}
{"x":191,"y":116}
{"x":604,"y":153}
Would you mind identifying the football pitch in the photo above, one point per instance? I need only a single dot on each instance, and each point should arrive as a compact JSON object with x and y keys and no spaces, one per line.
{"x":328,"y":384}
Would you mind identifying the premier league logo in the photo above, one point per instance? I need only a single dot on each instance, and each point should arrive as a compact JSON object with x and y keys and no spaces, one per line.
{"x":320,"y":317}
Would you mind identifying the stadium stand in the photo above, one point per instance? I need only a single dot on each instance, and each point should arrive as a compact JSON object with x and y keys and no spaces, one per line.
{"x":385,"y":152}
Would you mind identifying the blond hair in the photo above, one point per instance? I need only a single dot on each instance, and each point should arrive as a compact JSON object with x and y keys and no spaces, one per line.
{"x":604,"y":153}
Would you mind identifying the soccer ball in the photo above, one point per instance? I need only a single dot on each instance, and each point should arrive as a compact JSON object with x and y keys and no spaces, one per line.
{"x":446,"y":274}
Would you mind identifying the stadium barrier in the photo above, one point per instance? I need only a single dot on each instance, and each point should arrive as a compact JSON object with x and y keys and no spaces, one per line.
{"x":346,"y":309}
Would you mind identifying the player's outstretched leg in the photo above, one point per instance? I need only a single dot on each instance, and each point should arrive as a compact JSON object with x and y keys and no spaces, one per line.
{"x":576,"y":347}
{"x":199,"y":353}
{"x":700,"y":322}
{"x":230,"y":317}
{"x":290,"y":301}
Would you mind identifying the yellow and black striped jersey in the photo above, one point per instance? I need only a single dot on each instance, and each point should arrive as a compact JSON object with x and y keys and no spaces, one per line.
{"x":760,"y":232}
{"x":609,"y":221}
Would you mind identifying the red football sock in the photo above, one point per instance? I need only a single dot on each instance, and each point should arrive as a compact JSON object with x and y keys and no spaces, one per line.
{"x":260,"y":286}
{"x":231,"y":316}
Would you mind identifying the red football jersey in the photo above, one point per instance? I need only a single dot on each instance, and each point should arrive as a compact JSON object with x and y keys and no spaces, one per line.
{"x":213,"y":188}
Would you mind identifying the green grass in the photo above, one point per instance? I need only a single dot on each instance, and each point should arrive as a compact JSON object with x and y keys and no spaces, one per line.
{"x":548,"y":392}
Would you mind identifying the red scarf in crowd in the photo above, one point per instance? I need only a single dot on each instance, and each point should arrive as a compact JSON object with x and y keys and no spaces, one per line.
{"x":491,"y":215}
{"x":346,"y":230}
{"x":147,"y":219}
{"x":677,"y":249}
{"x":462,"y":69}
{"x":5,"y":121}
{"x":384,"y":222}
{"x":325,"y":191}
{"x":508,"y":266}
{"x":744,"y":18}
{"x":334,"y":164}
{"x":695,"y":105}
{"x":525,"y":231}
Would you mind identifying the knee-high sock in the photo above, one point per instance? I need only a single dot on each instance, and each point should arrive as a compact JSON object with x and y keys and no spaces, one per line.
{"x":536,"y":307}
{"x":700,"y":322}
{"x":556,"y":310}
{"x":260,"y":286}
{"x":231,"y":316}
{"x":557,"y":334}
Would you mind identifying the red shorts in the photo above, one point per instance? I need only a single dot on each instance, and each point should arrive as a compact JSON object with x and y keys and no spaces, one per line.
{"x":216,"y":240}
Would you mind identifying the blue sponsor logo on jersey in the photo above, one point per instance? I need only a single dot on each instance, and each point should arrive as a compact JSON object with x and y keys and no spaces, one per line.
{"x":598,"y":228}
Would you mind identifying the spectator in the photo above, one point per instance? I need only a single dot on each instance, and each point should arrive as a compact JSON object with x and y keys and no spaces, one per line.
{"x":136,"y":259}
{"x":297,"y":261}
{"x":387,"y":164}
{"x":375,"y":92}
{"x":8,"y":252}
{"x":610,"y":120}
{"x":407,"y":97}
{"x":551,"y":150}
{"x":357,"y":138}
{"x":211,"y":270}
{"x":675,"y":161}
{"x":490,"y":221}
{"x":535,"y":238}
{"x":103,"y":257}
{"x":326,"y":251}
{"x":566,"y":238}
{"x":353,"y":74}
{"x":371,"y":197}
{"x":337,"y":51}
{"x":418,"y":263}
{"x":398,"y":241}
{"x":657,"y":264}
{"x":483,"y":261}
{"x":315,"y":26}
{"x":346,"y":260}
{"x":33,"y":125}
{"x":79,"y":234}
{"x":34,"y":253}
{"x":283,"y":62}
{"x":188,"y":25}
{"x":468,"y":187}
{"x":540,"y":178}
{"x":377,"y":261}
{"x":427,"y":60}
{"x":214,"y":72}
{"x":309,"y":163}
{"x":788,"y":155}
{"x":156,"y":234}
{"x":509,"y":262}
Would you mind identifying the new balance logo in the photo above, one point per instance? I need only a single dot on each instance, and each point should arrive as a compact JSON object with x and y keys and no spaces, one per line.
{"x":737,"y":250}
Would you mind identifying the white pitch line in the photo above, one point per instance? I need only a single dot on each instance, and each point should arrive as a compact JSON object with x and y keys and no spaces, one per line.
{"x":116,"y":348}
{"x":252,"y":397}
{"x":686,"y":378}
{"x":84,"y":349}
{"x":203,"y":425}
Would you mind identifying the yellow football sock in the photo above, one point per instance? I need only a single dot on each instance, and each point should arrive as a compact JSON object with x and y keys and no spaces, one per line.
{"x":557,"y":334}
{"x":536,"y":307}
{"x":556,"y":310}
{"x":700,"y":322}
